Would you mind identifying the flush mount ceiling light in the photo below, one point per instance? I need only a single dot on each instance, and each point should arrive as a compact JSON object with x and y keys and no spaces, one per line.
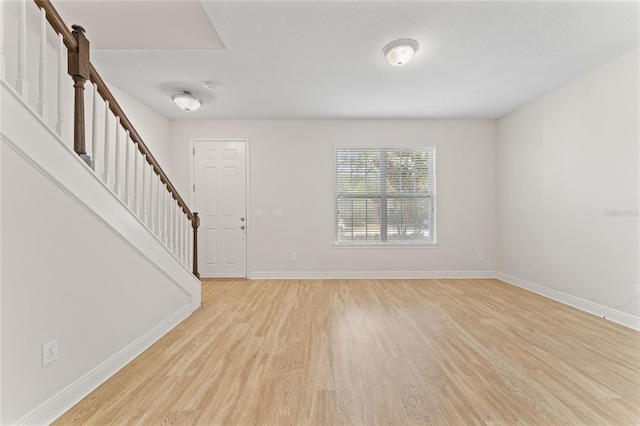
{"x":399,"y":52}
{"x":187,"y":101}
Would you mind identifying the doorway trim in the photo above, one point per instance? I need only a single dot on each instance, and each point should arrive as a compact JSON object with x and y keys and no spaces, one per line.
{"x":192,"y":172}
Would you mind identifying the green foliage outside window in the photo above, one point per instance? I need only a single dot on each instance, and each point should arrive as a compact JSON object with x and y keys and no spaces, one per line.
{"x":385,"y":195}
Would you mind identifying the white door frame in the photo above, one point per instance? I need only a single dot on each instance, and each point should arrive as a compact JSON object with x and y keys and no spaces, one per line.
{"x":247,"y":191}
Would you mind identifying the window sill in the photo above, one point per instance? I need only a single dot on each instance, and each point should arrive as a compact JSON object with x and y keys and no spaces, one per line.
{"x":385,"y":246}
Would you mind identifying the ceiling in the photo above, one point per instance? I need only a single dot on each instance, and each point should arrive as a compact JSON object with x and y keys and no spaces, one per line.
{"x":323,"y":59}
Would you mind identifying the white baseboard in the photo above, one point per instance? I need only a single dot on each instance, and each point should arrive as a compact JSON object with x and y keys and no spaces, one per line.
{"x":347,"y":275}
{"x":64,"y":400}
{"x":612,"y":315}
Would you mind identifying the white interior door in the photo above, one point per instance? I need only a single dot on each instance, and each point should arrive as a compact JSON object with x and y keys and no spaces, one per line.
{"x":220,"y":199}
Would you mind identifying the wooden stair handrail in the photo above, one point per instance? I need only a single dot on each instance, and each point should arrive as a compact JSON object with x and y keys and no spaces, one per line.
{"x":126,"y":124}
{"x":58,"y":24}
{"x":81,"y":69}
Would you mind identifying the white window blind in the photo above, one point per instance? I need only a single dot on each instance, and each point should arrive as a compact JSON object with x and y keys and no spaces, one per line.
{"x":385,"y":195}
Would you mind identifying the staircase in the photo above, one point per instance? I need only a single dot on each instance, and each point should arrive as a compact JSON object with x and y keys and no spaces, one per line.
{"x":98,"y":250}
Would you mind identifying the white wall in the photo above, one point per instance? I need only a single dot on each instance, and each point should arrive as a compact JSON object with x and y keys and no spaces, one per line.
{"x":65,"y":277}
{"x":77,"y":266}
{"x":291,"y":169}
{"x":565,"y":162}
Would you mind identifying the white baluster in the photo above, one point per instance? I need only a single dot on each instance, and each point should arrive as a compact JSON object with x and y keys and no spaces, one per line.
{"x":61,"y":75}
{"x":151,"y":218}
{"x":127,"y":161}
{"x":42,"y":103}
{"x":2,"y":62}
{"x":185,"y":233}
{"x":185,"y":237}
{"x":22,"y":86}
{"x":105,"y":175}
{"x":116,"y":170}
{"x":135,"y":179}
{"x":170,"y":224}
{"x":144,"y":190}
{"x":190,"y":244}
{"x":94,"y":129}
{"x":180,"y":234}
{"x":152,"y":223}
{"x":165,"y":227}
{"x":159,"y":208}
{"x":177,"y":230}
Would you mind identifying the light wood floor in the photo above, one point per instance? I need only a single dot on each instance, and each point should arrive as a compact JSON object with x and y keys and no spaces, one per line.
{"x":367,"y":352}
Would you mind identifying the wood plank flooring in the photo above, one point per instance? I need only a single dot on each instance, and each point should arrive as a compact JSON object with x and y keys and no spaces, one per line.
{"x":365,"y":352}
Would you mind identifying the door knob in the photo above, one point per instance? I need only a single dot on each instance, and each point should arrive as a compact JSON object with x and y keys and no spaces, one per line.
{"x":242,"y":227}
{"x":242,"y":219}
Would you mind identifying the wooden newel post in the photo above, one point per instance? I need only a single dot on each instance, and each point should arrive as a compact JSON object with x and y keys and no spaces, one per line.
{"x":80,"y":71}
{"x":195,"y":224}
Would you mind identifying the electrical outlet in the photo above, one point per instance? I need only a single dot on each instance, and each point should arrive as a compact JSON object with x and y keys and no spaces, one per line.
{"x":294,"y":257}
{"x":49,"y":352}
{"x":480,"y":255}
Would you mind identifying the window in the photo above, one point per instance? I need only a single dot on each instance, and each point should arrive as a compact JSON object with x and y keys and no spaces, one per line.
{"x":385,"y":195}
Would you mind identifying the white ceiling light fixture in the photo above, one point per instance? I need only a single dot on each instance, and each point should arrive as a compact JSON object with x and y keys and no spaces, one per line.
{"x":399,"y":52}
{"x":187,"y":101}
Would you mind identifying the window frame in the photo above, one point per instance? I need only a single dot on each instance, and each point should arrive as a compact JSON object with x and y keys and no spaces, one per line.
{"x":433,"y":243}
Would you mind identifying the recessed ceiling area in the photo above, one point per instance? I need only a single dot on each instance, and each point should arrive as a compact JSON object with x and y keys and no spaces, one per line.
{"x":323,"y":59}
{"x":142,"y":24}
